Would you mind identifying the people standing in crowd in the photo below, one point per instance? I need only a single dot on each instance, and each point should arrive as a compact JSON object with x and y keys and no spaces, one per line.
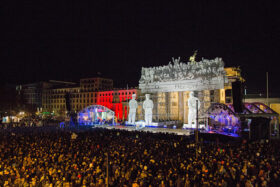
{"x":47,"y":156}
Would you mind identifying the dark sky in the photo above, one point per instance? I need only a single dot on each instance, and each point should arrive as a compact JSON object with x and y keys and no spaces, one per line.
{"x":68,"y":40}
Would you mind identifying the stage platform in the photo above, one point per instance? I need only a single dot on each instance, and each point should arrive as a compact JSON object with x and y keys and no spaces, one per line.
{"x":179,"y":131}
{"x":182,"y":132}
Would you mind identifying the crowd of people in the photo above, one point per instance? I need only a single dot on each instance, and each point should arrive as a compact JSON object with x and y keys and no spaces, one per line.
{"x":30,"y":121}
{"x":48,"y":156}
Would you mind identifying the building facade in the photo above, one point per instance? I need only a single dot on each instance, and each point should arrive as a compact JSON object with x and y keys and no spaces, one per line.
{"x":173,"y":105}
{"x":117,"y":100}
{"x":99,"y":91}
{"x":55,"y":101}
{"x":233,"y":74}
{"x":95,"y":84}
{"x":32,"y":94}
{"x":62,"y":99}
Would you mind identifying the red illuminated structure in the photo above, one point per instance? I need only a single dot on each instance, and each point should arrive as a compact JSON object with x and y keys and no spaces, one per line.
{"x":116,"y":100}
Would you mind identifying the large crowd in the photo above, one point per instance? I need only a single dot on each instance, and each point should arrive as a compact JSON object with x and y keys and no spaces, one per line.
{"x":48,"y":156}
{"x":30,"y":121}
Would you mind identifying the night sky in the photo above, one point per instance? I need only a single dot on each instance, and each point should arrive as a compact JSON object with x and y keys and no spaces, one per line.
{"x":68,"y":40}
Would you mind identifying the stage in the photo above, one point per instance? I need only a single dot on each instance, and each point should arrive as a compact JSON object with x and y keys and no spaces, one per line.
{"x":184,"y":132}
{"x":179,"y":131}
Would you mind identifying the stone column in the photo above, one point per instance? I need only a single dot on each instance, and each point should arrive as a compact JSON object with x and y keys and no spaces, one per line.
{"x":161,"y":106}
{"x":167,"y":105}
{"x":181,"y":106}
{"x":185,"y":104}
{"x":155,"y":110}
